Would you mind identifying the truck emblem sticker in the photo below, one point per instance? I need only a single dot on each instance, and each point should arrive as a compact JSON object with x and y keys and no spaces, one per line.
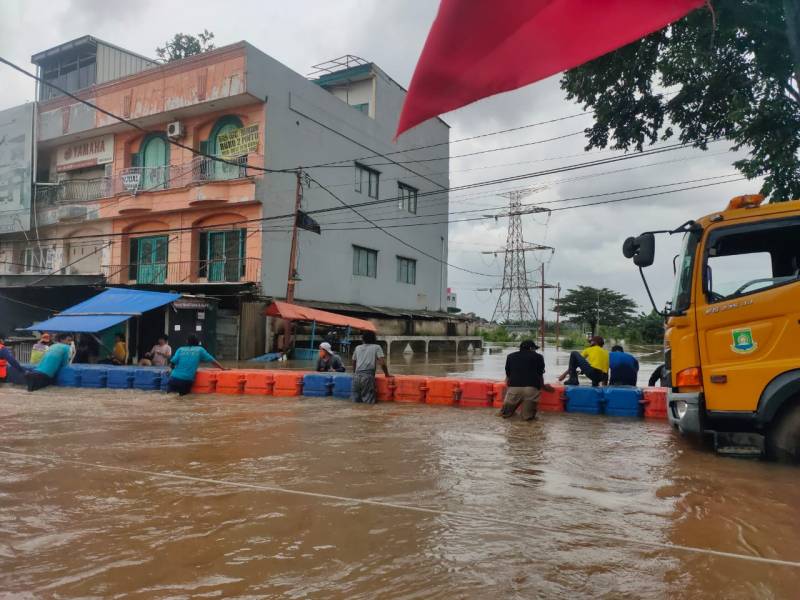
{"x":743,"y":342}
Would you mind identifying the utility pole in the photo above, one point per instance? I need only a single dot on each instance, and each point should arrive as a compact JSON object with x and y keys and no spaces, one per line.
{"x":558,"y":313}
{"x":542,"y":309}
{"x":291,"y":279}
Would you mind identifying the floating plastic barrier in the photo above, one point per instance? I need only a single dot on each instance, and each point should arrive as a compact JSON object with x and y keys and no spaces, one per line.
{"x":343,"y":385}
{"x":623,"y":401}
{"x":410,"y":389}
{"x":288,"y":384}
{"x":205,"y":381}
{"x":442,"y":390}
{"x":120,"y":378}
{"x":148,"y":379}
{"x":93,"y":377}
{"x":654,"y":400}
{"x":553,"y":401}
{"x":69,"y":377}
{"x":500,"y":388}
{"x":384,"y":388}
{"x":230,"y":382}
{"x":585,"y":400}
{"x":476,"y":393}
{"x":258,"y":382}
{"x":317,"y":385}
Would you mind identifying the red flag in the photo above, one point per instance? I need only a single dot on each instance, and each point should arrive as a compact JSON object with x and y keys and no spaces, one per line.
{"x":477,"y":48}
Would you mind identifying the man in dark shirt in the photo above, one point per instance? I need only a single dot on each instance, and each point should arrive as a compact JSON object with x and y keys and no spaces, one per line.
{"x":624,"y":367}
{"x":525,"y":378}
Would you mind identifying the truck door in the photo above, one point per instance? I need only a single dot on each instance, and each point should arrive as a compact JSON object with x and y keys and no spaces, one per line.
{"x":748,"y":310}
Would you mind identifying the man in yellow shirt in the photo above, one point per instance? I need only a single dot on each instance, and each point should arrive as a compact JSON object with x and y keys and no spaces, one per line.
{"x":592,"y":362}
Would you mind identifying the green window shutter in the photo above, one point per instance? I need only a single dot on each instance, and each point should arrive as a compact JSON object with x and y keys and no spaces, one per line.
{"x":133,"y":259}
{"x":202,"y":270}
{"x":136,"y":159}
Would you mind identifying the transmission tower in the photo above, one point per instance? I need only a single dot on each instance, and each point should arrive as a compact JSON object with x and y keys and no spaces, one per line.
{"x":514,"y":304}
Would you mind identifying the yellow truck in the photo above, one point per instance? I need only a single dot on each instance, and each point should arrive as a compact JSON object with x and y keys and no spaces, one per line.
{"x":732,"y":335}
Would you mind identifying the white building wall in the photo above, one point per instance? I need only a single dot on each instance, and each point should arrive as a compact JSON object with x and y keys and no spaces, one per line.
{"x":297,"y":113}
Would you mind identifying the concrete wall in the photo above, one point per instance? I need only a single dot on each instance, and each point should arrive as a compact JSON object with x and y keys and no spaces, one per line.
{"x":293,"y":138}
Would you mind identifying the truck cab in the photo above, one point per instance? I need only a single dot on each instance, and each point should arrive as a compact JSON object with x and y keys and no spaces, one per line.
{"x":732,"y":335}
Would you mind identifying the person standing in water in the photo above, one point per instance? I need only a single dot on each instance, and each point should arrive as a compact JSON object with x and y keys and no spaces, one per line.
{"x":7,"y":359}
{"x":185,"y":363}
{"x":525,"y":379}
{"x":366,"y":358}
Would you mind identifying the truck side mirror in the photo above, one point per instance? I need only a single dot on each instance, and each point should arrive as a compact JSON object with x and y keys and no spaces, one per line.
{"x":641,"y":249}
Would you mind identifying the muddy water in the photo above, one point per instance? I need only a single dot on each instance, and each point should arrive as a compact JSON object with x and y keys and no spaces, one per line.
{"x":106,"y":517}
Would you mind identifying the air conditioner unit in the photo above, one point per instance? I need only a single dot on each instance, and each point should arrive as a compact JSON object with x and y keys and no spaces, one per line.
{"x":175,"y":130}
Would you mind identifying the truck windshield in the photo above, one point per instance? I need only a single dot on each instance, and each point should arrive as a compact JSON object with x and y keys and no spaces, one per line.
{"x":682,"y":296}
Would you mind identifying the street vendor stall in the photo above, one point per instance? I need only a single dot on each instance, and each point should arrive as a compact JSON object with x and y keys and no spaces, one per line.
{"x":295,"y":312}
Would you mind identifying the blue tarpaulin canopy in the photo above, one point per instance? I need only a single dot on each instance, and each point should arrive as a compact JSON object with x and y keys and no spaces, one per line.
{"x":105,"y":310}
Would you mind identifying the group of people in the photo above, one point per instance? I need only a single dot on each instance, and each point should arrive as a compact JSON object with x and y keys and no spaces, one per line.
{"x":525,"y":373}
{"x":524,"y":369}
{"x":48,"y":357}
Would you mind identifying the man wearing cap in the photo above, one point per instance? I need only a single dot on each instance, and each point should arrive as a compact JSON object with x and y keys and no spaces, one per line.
{"x":525,"y":378}
{"x":328,"y":360}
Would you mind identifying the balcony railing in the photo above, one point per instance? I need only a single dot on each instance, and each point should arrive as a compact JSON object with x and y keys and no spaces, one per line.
{"x":234,"y":270}
{"x":200,"y":169}
{"x":146,"y":179}
{"x":75,"y":190}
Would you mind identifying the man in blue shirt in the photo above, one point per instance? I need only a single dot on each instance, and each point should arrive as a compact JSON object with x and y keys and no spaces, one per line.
{"x":185,"y":363}
{"x":624,"y":367}
{"x":55,"y":359}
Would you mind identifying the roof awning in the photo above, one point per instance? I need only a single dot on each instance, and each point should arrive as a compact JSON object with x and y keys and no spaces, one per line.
{"x":294,"y":312}
{"x":113,"y":306}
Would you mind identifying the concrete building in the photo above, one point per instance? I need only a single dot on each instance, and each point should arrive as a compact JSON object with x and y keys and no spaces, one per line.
{"x":116,"y":205}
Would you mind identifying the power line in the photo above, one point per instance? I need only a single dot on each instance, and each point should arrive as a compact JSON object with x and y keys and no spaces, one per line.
{"x":465,"y":139}
{"x":134,"y":125}
{"x":402,"y":241}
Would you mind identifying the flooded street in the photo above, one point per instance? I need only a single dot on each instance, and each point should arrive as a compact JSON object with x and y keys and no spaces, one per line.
{"x":107,"y":494}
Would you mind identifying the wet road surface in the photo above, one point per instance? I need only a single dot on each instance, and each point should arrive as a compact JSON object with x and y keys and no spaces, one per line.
{"x":105,"y":519}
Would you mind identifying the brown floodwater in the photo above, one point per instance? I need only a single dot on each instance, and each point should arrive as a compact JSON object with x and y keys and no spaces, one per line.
{"x":110,"y":494}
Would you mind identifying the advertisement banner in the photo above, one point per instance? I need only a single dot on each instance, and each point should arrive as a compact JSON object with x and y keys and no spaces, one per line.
{"x":85,"y":153}
{"x":16,"y":168}
{"x":238,"y":142}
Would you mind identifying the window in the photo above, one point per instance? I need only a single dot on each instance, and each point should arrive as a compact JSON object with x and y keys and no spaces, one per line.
{"x":365,"y":262}
{"x":746,"y":259}
{"x":363,"y":108}
{"x":215,"y":169}
{"x":222,"y":255}
{"x":148,"y":258}
{"x":407,"y":198}
{"x":367,"y":180}
{"x":682,"y":295}
{"x":406,"y":270}
{"x":153,"y":162}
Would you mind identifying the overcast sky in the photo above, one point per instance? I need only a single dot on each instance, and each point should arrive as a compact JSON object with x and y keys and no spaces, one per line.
{"x":391,"y":34}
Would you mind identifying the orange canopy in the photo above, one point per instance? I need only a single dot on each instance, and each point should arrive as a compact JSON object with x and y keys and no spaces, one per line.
{"x":293,"y":312}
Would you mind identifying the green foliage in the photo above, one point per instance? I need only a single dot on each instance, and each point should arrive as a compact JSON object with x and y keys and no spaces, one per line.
{"x":583,"y":305}
{"x":183,"y":45}
{"x":738,"y":77}
{"x":498,"y":334}
{"x":645,"y":329}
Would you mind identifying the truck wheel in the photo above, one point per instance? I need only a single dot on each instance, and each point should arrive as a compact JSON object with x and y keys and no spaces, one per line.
{"x":783,"y":441}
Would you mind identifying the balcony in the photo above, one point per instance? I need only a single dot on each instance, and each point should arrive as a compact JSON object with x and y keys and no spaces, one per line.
{"x":246,"y":270}
{"x":136,"y":180}
{"x":70,"y":191}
